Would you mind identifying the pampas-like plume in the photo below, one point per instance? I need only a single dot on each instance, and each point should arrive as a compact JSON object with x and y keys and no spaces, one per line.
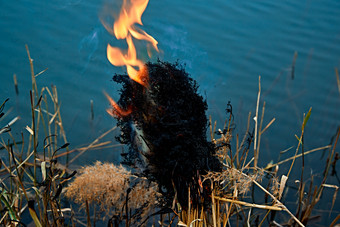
{"x":109,"y":187}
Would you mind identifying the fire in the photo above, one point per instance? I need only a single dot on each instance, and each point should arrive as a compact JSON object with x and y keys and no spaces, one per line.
{"x":124,"y":28}
{"x":116,"y":110}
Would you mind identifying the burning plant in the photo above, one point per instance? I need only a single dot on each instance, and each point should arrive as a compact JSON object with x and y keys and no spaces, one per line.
{"x":166,"y":131}
{"x":161,"y":115}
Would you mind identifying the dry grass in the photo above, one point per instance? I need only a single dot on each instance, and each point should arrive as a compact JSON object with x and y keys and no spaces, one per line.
{"x":233,"y":188}
{"x":105,"y":184}
{"x":35,"y":170}
{"x":114,"y":189}
{"x":33,"y":178}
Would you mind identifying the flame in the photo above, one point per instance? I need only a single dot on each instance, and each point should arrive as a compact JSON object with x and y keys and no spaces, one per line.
{"x":124,"y":28}
{"x":116,"y":110}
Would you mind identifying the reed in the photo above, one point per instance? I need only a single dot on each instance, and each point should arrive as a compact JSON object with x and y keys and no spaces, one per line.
{"x":35,"y":171}
{"x":35,"y":177}
{"x":31,"y":179}
{"x":231,"y":198}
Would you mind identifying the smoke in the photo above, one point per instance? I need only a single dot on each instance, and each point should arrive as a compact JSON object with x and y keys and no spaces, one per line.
{"x":89,"y":45}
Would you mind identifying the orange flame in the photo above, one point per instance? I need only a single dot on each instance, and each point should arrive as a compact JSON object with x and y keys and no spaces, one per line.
{"x":124,"y":28}
{"x":116,"y":110}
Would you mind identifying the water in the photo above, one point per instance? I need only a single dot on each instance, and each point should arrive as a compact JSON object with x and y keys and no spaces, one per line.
{"x":225,"y":45}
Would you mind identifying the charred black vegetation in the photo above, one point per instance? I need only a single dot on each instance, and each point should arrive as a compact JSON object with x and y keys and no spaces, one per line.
{"x":166,"y":132}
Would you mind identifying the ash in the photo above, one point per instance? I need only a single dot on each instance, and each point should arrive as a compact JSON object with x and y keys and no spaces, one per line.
{"x":166,"y":133}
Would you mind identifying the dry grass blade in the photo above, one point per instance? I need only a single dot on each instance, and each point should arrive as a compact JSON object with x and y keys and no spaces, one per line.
{"x":282,"y":185}
{"x":274,"y":199}
{"x":331,"y":155}
{"x":300,"y":139}
{"x":92,"y":112}
{"x":92,"y":144}
{"x":245,"y":134}
{"x":266,"y":207}
{"x":98,"y":146}
{"x":293,"y":65}
{"x":259,"y":132}
{"x":88,"y":216}
{"x":335,"y":220}
{"x":268,"y":125}
{"x":337,"y":78}
{"x":4,"y":129}
{"x":54,"y":116}
{"x":41,"y":72}
{"x":297,"y":156}
{"x":29,"y":130}
{"x":15,"y":84}
{"x":213,"y":205}
{"x":334,"y":195}
{"x":34,"y":214}
{"x":256,"y":123}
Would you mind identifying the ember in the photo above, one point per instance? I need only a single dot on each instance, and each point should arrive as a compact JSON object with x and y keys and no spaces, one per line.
{"x":166,"y":131}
